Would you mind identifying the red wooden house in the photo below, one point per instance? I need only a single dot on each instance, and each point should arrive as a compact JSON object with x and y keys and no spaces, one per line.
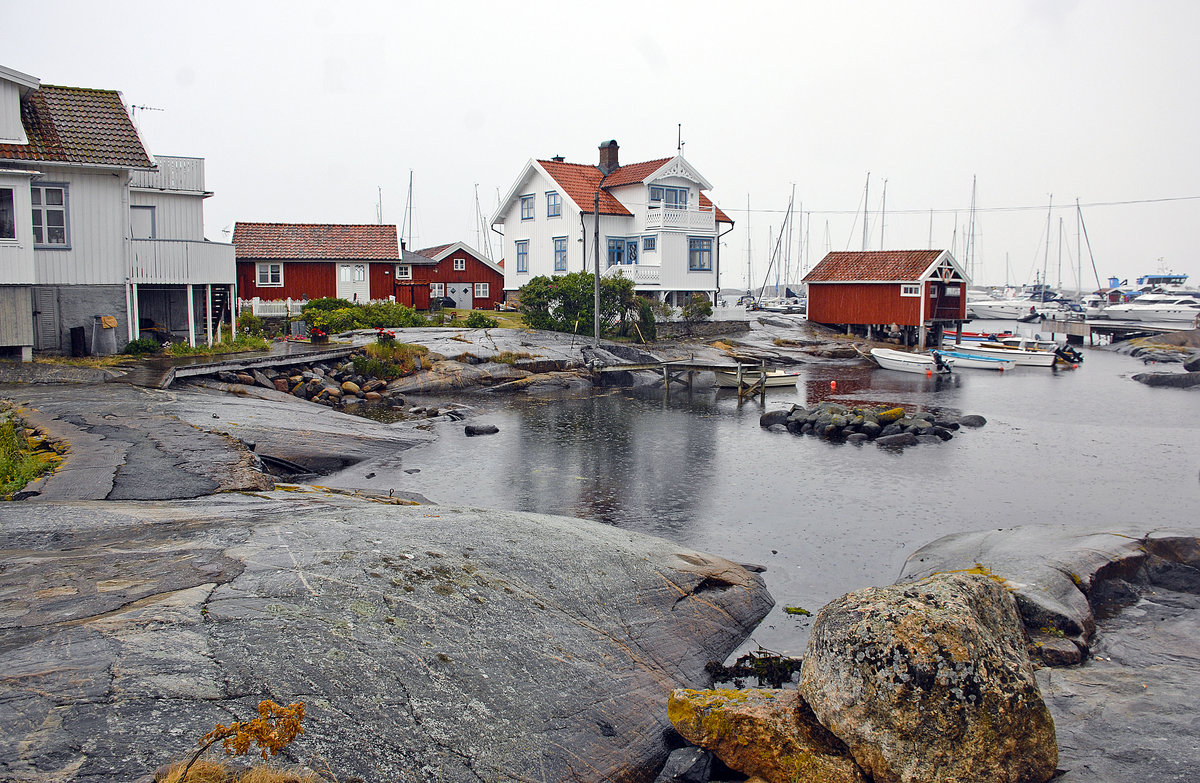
{"x":916,"y":290}
{"x":301,"y":261}
{"x":457,"y":271}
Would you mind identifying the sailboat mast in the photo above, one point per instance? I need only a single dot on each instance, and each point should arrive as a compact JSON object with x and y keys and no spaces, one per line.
{"x":883,"y":214}
{"x":1078,"y":248}
{"x":866,"y":194}
{"x":1060,"y":230}
{"x":749,"y":268}
{"x":1046,"y":259}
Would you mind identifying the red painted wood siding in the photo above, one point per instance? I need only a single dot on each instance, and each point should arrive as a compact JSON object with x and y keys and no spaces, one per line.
{"x":414,"y":295}
{"x":475,"y":272}
{"x":879,"y":303}
{"x":381,"y":277}
{"x":301,"y":280}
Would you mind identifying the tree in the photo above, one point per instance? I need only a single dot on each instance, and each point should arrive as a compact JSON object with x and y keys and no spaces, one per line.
{"x":698,"y":308}
{"x":565,"y":303}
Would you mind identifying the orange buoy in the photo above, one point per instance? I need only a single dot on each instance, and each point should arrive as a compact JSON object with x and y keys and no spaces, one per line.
{"x":929,"y":373}
{"x":833,"y":384}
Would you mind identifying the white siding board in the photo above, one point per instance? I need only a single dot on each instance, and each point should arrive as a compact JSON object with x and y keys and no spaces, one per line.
{"x":11,"y":129}
{"x":16,"y":256}
{"x":99,"y":221}
{"x":176,"y":216}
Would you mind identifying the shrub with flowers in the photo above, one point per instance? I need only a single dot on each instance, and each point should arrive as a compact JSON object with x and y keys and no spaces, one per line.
{"x":384,"y":336}
{"x":316,"y":333}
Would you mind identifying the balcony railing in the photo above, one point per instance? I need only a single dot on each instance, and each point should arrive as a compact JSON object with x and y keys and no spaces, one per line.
{"x":641,"y":274}
{"x":681,"y":219}
{"x":173,"y":174}
{"x":182,"y":261}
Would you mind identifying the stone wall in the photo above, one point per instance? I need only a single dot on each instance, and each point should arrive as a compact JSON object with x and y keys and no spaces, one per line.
{"x":675,"y":329}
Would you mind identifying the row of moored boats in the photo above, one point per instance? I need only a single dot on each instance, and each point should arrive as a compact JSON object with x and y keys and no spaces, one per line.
{"x":1158,"y":298}
{"x":980,"y":352}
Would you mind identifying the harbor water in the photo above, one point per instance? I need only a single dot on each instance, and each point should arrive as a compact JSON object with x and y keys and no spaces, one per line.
{"x":1086,"y":446}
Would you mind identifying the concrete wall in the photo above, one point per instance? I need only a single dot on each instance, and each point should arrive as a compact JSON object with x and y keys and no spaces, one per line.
{"x":78,"y":306}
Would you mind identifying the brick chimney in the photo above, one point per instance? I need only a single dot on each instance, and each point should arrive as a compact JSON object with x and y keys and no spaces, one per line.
{"x":608,"y":157}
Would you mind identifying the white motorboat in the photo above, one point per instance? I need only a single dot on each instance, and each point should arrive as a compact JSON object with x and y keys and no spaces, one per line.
{"x":1167,"y":308}
{"x":1035,"y":357}
{"x":903,"y":361}
{"x":728,"y":379}
{"x":965,"y":358}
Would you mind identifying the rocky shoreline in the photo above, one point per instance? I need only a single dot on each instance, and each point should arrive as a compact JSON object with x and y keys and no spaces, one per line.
{"x":145,"y":590}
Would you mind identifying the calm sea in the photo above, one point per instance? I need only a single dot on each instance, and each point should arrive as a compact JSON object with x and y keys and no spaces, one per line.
{"x":1088,"y":446}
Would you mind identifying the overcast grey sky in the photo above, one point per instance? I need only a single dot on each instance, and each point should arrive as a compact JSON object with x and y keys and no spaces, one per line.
{"x":305,"y":110}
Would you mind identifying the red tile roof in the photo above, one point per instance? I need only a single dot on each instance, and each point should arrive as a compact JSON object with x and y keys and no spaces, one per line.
{"x":433,"y":252}
{"x":315,"y":241}
{"x":77,"y":125}
{"x":872,"y":265}
{"x":580,"y":182}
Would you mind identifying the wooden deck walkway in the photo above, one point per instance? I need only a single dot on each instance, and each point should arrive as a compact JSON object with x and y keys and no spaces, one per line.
{"x":752,"y":378}
{"x":1113,"y":330}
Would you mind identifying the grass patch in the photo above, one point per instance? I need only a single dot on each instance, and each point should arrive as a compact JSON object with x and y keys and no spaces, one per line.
{"x":390,"y":360}
{"x":240,"y":344}
{"x":21,"y":459}
{"x":85,"y":361}
{"x":511,"y":357}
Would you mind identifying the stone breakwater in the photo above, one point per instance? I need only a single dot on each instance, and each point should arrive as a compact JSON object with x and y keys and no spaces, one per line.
{"x":892,"y":427}
{"x":335,"y":384}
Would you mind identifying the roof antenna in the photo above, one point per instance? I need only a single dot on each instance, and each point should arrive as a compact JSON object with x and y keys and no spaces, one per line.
{"x":133,"y":109}
{"x":679,"y":138}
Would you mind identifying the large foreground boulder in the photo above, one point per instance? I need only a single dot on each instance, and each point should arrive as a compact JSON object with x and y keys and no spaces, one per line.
{"x":931,"y":682}
{"x":768,"y":733}
{"x":427,"y":643}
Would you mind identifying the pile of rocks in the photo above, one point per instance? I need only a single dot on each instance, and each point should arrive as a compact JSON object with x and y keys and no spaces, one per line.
{"x":919,"y":683}
{"x":894,"y":427}
{"x":333,"y":384}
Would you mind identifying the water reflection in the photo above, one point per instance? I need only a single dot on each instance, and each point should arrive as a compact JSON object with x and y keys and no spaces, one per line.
{"x":1077,"y":448}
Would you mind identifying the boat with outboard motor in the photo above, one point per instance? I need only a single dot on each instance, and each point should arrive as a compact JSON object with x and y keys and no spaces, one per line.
{"x":1022,"y":352}
{"x":964,"y":358}
{"x":903,"y":361}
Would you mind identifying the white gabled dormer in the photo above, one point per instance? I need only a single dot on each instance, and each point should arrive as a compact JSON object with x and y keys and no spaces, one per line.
{"x":13,"y":85}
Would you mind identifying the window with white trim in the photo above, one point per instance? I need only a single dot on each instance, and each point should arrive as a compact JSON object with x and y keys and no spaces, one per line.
{"x":460,"y":264}
{"x":522,"y":255}
{"x":560,"y":254}
{"x":700,"y":254}
{"x":437,"y":289}
{"x":49,"y":215}
{"x":141,"y":222}
{"x":8,"y":214}
{"x":270,"y":275}
{"x":553,"y":204}
{"x":910,"y":290}
{"x":671,"y":198}
{"x":481,"y":290}
{"x":404,"y":271}
{"x":526,"y":207}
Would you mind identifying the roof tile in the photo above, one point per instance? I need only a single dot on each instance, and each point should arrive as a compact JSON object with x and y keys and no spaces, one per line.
{"x":78,"y":125}
{"x":580,"y":181}
{"x":872,"y":265}
{"x":315,"y":241}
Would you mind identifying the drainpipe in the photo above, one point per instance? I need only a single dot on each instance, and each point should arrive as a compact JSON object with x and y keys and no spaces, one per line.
{"x":718,"y":292}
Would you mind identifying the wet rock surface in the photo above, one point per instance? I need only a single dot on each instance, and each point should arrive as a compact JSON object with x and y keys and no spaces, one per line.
{"x":931,"y":682}
{"x":428,"y":643}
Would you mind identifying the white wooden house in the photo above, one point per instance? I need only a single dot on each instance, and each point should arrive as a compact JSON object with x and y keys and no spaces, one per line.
{"x":655,"y":224}
{"x":99,"y":240}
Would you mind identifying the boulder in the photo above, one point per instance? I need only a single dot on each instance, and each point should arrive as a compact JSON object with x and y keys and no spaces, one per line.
{"x":773,"y":417}
{"x":262,"y":379}
{"x":768,"y":733}
{"x":245,"y":379}
{"x":350,"y":387}
{"x":481,"y":429}
{"x":281,"y":385}
{"x":897,"y":441}
{"x":890,"y":415}
{"x":931,"y":681}
{"x":1192,"y":364}
{"x":1175,"y":380}
{"x":686,"y":765}
{"x":972,"y":420}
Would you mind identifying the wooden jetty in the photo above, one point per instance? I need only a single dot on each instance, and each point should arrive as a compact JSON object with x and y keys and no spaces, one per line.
{"x":1079,"y":331}
{"x":751,"y":378}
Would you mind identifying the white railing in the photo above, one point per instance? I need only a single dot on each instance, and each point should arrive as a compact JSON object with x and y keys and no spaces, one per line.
{"x":276,"y":308}
{"x":681,"y":219}
{"x":641,"y":274}
{"x":182,"y":261}
{"x":173,"y":174}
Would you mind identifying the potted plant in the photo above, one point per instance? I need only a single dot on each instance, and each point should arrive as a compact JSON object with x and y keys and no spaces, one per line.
{"x":317,"y":335}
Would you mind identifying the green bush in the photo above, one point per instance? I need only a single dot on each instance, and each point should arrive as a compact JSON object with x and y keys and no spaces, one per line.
{"x":388,"y":360}
{"x":698,"y":308}
{"x":392,"y":315}
{"x":242,"y":343}
{"x":334,"y":321}
{"x":141,"y":346}
{"x":647,"y":324}
{"x":326,"y":303}
{"x":477,"y":320}
{"x":249,"y":323}
{"x":565,"y":303}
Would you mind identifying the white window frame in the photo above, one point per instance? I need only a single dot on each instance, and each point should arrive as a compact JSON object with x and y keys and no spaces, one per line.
{"x":404,"y":271}
{"x":553,"y":204}
{"x":481,"y":290}
{"x":460,"y":265}
{"x":527,"y":207}
{"x":138,"y":209}
{"x":271,"y":268}
{"x":437,"y":289}
{"x":910,"y":289}
{"x":522,"y":256}
{"x":43,"y":210}
{"x":560,"y":253}
{"x":8,"y":215}
{"x":700,"y":256}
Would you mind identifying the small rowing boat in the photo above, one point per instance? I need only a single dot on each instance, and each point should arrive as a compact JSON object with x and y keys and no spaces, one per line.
{"x":903,"y":361}
{"x":1025,"y":356}
{"x":728,"y":379}
{"x":965,"y":358}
